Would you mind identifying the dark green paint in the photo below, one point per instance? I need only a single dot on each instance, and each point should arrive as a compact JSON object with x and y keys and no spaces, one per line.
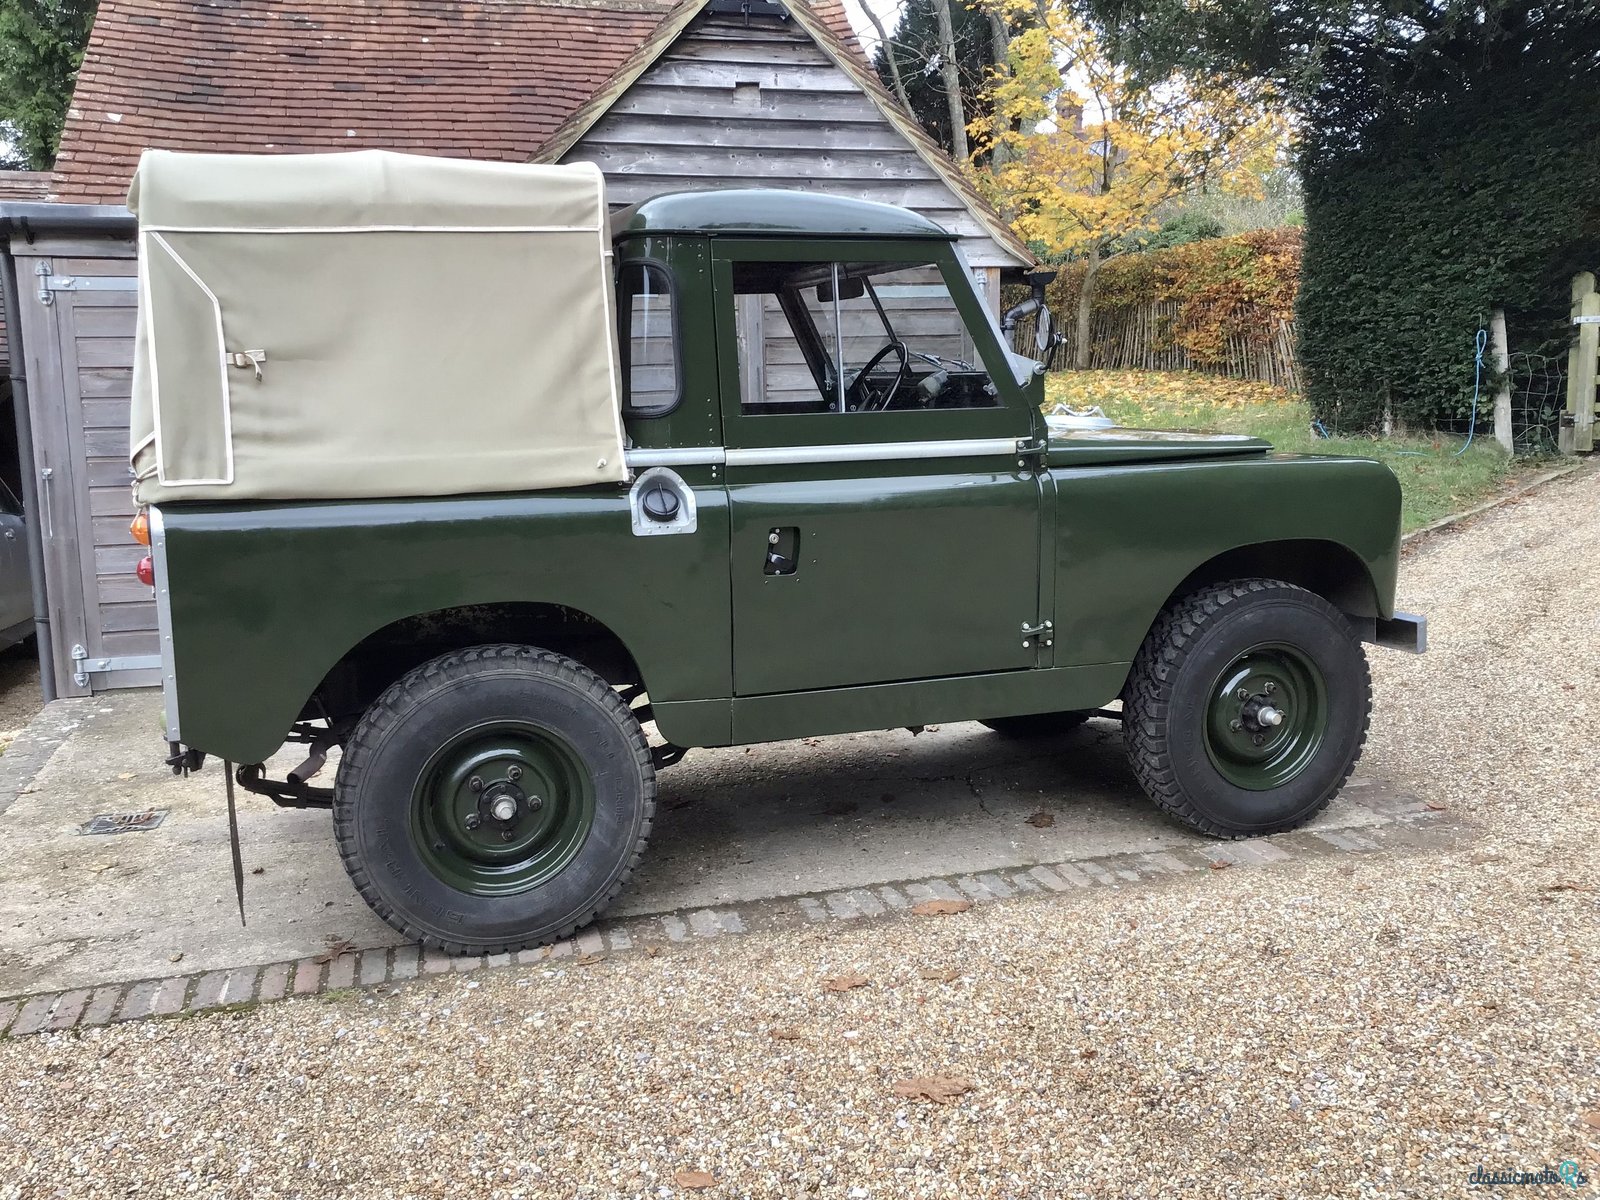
{"x":454,"y":821}
{"x":915,"y":576}
{"x":767,"y":212}
{"x":1257,"y":756}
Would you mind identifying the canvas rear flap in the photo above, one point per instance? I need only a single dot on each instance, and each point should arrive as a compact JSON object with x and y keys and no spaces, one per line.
{"x":371,"y":324}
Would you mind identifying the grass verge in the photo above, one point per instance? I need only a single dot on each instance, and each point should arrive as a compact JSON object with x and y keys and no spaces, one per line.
{"x":1434,"y":480}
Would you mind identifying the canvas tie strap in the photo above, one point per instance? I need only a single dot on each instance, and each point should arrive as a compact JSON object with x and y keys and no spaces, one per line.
{"x":248,"y":359}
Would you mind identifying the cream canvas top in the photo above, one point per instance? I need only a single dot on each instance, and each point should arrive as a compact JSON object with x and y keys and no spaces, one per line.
{"x":370,"y":324}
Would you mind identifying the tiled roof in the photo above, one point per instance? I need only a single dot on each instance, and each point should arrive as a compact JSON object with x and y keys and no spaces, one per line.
{"x":24,"y":186}
{"x":486,"y":79}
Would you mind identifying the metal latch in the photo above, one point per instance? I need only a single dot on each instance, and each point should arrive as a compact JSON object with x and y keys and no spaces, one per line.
{"x":251,"y":359}
{"x":1029,"y":632}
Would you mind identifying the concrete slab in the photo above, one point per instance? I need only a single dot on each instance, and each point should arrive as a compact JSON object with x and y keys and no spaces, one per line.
{"x":836,"y":816}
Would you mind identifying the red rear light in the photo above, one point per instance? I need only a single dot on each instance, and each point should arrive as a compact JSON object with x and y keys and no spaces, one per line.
{"x":146,"y":571}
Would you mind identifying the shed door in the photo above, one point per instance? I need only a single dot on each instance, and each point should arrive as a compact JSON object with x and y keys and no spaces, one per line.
{"x":80,"y":372}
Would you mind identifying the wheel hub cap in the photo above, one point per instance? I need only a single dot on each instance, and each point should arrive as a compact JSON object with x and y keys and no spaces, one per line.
{"x":502,"y":808}
{"x":1267,"y":717}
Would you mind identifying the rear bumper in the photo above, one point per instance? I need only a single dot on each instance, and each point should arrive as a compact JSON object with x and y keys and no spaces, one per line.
{"x":1403,"y":631}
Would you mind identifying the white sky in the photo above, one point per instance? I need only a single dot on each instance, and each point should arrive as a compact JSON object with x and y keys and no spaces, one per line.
{"x":888,"y":12}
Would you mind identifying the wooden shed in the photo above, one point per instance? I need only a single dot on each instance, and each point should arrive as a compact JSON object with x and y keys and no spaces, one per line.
{"x":662,"y":94}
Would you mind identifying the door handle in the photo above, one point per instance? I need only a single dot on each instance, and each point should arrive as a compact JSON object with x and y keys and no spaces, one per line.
{"x":782,"y":555}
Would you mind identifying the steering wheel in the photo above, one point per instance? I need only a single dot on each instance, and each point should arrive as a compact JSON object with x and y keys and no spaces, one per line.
{"x":863,"y":396}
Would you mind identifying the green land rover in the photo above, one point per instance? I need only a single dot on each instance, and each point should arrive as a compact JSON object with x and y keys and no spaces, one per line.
{"x":453,"y":474}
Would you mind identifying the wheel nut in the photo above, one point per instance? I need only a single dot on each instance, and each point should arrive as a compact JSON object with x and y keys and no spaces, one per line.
{"x":1236,"y":726}
{"x":473,"y":821}
{"x":1243,"y":693}
{"x":508,"y":835}
{"x":1270,"y":688}
{"x":475,"y":784}
{"x":513,"y":772}
{"x":1259,"y":739}
{"x":535,"y":803}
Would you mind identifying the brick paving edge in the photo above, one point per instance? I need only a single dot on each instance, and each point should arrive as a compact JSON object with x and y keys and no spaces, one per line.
{"x":1408,"y":826}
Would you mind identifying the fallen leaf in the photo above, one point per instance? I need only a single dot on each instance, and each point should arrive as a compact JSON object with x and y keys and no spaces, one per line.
{"x":1592,"y":1119}
{"x":941,"y":908}
{"x":941,"y":1089}
{"x":1434,"y":806}
{"x":178,"y":957}
{"x":259,"y":871}
{"x":787,"y":1033}
{"x":588,"y":960}
{"x":125,"y":776}
{"x":102,"y":868}
{"x":1568,"y":885}
{"x":652,"y":951}
{"x":940,"y":974}
{"x":695,"y":1181}
{"x":1042,"y":819}
{"x":843,"y":983}
{"x":1220,"y":864}
{"x":336,"y":947}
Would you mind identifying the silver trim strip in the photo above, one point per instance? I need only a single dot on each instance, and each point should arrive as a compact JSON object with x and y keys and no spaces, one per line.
{"x":766,"y":456}
{"x":169,"y":669}
{"x":703,"y":456}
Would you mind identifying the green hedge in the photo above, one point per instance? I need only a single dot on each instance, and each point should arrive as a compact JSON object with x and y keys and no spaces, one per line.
{"x":1438,"y":214}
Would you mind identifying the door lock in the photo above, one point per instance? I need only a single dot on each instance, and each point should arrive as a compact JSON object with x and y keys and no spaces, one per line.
{"x":782,"y":551}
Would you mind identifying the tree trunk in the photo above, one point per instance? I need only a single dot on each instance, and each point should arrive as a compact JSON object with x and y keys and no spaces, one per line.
{"x":888,"y":53}
{"x":1091,"y":269}
{"x":1000,"y":43}
{"x":950,"y":73}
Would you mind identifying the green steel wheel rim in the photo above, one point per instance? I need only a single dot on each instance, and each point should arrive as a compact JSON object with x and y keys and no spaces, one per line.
{"x":1267,"y":717}
{"x":502,"y":808}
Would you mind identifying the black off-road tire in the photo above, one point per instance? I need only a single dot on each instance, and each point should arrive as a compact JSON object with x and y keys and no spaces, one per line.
{"x":1035,"y":725}
{"x":1167,"y":699}
{"x":396,"y":737}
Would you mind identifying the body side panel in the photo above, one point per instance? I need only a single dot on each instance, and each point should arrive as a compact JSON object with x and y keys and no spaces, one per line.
{"x":1129,"y":535}
{"x":266,"y":599}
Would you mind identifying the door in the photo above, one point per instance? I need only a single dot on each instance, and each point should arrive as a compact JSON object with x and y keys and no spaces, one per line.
{"x":884,"y":526}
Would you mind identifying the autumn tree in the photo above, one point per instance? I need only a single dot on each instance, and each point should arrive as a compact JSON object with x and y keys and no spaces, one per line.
{"x":1084,"y":155}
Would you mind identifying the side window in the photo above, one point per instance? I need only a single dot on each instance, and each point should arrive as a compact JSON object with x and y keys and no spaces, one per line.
{"x":853,"y":338}
{"x":647,"y":313}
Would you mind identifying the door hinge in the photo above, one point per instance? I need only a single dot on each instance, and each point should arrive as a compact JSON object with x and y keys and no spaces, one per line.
{"x":50,"y":283}
{"x":80,"y":658}
{"x":1046,"y":633}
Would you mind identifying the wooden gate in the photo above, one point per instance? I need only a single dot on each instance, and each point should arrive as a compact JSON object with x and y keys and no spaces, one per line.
{"x":1583,"y":367}
{"x":79,"y":299}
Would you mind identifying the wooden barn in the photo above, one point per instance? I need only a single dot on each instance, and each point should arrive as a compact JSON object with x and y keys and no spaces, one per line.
{"x":662,"y":95}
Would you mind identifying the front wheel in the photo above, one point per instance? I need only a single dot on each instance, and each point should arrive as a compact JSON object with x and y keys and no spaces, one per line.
{"x":495,"y":798}
{"x":1247,"y":708}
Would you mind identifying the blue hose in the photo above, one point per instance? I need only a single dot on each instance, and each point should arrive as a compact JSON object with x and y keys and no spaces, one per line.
{"x":1477,"y":383}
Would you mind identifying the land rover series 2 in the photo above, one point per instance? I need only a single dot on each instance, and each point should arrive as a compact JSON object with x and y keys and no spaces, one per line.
{"x":456,"y":476}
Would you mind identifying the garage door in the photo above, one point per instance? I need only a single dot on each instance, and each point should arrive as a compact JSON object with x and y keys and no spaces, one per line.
{"x":79,"y":301}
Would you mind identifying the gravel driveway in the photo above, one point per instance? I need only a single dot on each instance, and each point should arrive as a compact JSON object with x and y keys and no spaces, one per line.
{"x":1382,"y":1025}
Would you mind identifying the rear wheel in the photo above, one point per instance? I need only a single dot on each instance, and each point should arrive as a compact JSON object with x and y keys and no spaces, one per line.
{"x":1035,"y":725}
{"x":494,"y":798}
{"x":1247,"y":708}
